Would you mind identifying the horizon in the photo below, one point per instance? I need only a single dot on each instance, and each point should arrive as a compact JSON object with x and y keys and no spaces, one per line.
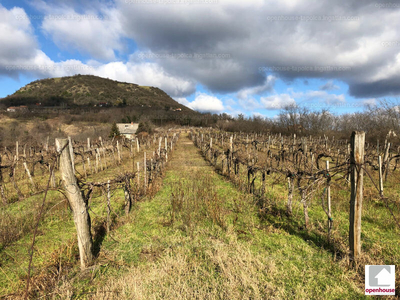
{"x":214,"y":56}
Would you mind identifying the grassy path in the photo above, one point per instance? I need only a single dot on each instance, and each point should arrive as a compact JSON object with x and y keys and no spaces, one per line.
{"x":200,"y":238}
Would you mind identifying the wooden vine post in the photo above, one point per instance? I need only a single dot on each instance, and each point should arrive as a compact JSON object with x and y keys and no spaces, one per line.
{"x":71,"y":149}
{"x":328,"y":193}
{"x":77,"y":203}
{"x":1,"y":185}
{"x":128,"y":198}
{"x":262,"y":184}
{"x":348,"y":153}
{"x":97,"y":161}
{"x":356,"y":176}
{"x":230,"y":155}
{"x":138,"y":174}
{"x":211,"y":145}
{"x":145,"y":173}
{"x":16,"y":150}
{"x":108,"y":207}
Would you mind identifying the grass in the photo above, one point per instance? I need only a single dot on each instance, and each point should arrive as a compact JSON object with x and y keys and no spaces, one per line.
{"x":56,"y":250}
{"x":380,"y":233}
{"x":145,"y":87}
{"x":201,"y":238}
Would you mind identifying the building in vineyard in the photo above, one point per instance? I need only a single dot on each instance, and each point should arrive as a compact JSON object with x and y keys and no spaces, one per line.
{"x":128,"y":130}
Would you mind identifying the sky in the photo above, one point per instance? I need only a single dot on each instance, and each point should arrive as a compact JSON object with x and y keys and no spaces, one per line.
{"x":248,"y":57}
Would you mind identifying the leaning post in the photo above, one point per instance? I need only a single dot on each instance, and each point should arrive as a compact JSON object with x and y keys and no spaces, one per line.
{"x":77,"y":203}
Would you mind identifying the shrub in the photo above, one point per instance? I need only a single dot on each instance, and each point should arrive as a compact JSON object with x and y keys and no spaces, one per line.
{"x":145,"y":126}
{"x":114,"y":131}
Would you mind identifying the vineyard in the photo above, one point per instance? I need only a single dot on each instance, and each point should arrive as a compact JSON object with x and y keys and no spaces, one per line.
{"x":108,"y":177}
{"x":243,"y":220}
{"x":315,"y":168}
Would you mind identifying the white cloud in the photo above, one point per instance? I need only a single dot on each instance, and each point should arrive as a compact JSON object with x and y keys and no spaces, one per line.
{"x":366,"y":47}
{"x":234,"y":113}
{"x":206,"y":103}
{"x":182,"y":100}
{"x":229,"y":108}
{"x":329,"y":86}
{"x":256,"y":40}
{"x":277,"y":101}
{"x":18,"y":45}
{"x":258,"y":115}
{"x":257,"y":90}
{"x":19,"y":54}
{"x":324,"y":97}
{"x":249,"y":104}
{"x":98,"y":34}
{"x":149,"y":74}
{"x":320,"y":96}
{"x":369,"y":102}
{"x":230,"y":102}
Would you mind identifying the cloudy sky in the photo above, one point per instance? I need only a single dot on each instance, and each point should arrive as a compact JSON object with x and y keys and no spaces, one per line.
{"x":250,"y":57}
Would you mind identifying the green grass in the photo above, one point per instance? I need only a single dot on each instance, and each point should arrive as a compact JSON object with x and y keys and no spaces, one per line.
{"x":55,"y":247}
{"x":197,"y":254}
{"x":200,"y":237}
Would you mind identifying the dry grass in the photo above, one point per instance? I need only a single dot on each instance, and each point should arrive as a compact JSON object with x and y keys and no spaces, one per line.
{"x":222,"y":271}
{"x":200,"y":238}
{"x":12,"y":227}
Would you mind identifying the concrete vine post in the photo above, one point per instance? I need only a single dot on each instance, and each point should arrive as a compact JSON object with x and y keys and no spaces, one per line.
{"x":386,"y":159}
{"x":305,"y":207}
{"x":16,"y":150}
{"x":78,"y":205}
{"x":118,"y":153}
{"x":47,"y":144}
{"x":290,"y":195}
{"x":102,"y":150}
{"x":29,"y":176}
{"x":380,"y":175}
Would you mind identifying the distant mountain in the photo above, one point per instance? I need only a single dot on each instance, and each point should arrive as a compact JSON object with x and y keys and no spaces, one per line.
{"x":89,"y":90}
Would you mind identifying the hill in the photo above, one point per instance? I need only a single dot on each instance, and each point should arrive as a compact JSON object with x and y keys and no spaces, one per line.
{"x":89,"y":90}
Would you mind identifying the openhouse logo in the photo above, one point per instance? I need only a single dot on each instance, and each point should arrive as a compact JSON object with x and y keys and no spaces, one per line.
{"x":380,"y":280}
